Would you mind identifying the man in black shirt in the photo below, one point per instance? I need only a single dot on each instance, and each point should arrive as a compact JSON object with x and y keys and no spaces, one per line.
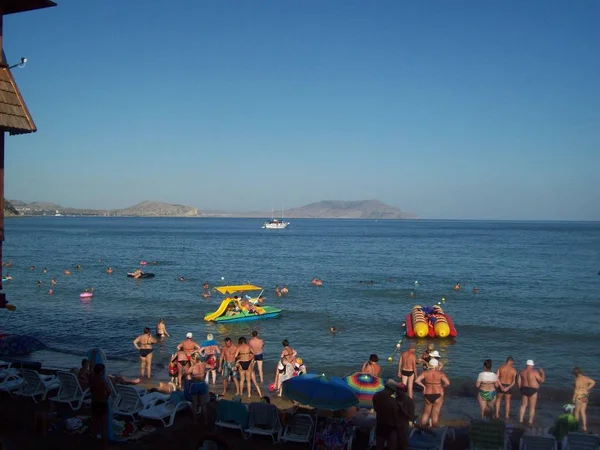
{"x":387,"y":410}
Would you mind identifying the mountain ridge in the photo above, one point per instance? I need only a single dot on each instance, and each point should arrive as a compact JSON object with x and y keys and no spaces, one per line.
{"x":324,"y":209}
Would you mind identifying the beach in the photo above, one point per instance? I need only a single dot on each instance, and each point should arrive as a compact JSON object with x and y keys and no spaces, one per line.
{"x":527,"y":274}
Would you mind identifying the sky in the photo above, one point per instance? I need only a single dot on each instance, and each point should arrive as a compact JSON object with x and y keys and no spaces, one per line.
{"x":462,"y":109}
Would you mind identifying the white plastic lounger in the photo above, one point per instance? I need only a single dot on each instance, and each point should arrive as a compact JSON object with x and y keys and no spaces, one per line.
{"x":165,"y":412}
{"x":11,"y":383}
{"x":299,"y":429}
{"x":70,"y":391}
{"x":129,"y":401}
{"x":35,"y":385}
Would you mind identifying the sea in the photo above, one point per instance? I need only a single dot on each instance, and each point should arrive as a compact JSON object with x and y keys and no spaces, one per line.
{"x":537,"y":293}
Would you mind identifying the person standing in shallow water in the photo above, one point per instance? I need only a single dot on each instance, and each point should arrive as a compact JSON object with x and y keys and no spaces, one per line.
{"x":529,"y":386}
{"x":507,"y":377}
{"x":487,"y":385}
{"x":143,"y":343}
{"x":257,"y":345}
{"x":433,"y":381}
{"x":407,"y":368}
{"x":581,"y":395}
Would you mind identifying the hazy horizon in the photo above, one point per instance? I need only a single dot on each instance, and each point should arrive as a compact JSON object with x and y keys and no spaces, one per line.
{"x":463,"y":110}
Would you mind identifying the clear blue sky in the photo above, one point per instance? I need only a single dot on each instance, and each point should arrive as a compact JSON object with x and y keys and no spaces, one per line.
{"x":462,"y":109}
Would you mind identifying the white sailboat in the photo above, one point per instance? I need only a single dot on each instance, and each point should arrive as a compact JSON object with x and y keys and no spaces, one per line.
{"x":275,"y":224}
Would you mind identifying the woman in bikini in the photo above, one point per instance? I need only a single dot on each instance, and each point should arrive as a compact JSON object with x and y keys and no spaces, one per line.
{"x":245,"y":360}
{"x":433,"y":381}
{"x":288,"y":353}
{"x":487,"y":385}
{"x":143,"y":344}
{"x":581,"y":395}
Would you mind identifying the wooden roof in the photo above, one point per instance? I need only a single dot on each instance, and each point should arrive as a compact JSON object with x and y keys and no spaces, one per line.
{"x":14,"y":115}
{"x":17,"y":6}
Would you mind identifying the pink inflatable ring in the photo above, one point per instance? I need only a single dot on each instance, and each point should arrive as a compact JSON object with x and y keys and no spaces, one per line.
{"x":86,"y":295}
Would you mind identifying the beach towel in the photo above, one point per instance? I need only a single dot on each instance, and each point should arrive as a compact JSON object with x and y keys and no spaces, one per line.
{"x":263,"y":415}
{"x":232,"y":412}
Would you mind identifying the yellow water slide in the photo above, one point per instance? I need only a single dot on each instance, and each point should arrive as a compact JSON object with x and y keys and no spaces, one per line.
{"x":219,"y":312}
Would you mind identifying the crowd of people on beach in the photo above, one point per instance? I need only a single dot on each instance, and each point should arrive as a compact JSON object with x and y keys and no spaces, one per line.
{"x":194,"y":366}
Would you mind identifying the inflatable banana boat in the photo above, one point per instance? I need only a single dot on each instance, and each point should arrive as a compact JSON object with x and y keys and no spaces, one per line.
{"x":429,"y":322}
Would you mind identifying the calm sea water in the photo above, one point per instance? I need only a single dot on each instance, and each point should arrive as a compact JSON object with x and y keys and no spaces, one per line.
{"x":538,"y":288}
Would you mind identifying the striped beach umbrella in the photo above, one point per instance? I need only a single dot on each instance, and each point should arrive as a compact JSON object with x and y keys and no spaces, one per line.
{"x":364,"y":386}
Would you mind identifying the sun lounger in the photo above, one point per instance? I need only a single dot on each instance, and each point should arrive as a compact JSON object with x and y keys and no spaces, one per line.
{"x":581,"y":441}
{"x":430,"y":438}
{"x":263,"y":419}
{"x":9,"y":371}
{"x":11,"y":383}
{"x":299,"y":429}
{"x":488,"y":435}
{"x":70,"y":391}
{"x":528,"y":442}
{"x":129,"y":402}
{"x":233,"y":415}
{"x":165,"y":411}
{"x":35,"y":385}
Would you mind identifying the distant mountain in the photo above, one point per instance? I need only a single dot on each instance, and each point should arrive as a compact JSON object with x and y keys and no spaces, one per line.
{"x":338,"y":209}
{"x":156,"y":209}
{"x":9,"y":209}
{"x":143,"y":209}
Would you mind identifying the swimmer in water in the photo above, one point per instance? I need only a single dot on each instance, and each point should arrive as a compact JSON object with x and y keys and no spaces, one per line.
{"x":277,"y":291}
{"x":475,"y":290}
{"x":50,"y":292}
{"x":32,"y":268}
{"x":78,"y":267}
{"x":53,"y":282}
{"x":44,"y":270}
{"x":67,"y":272}
{"x":457,"y":286}
{"x":181,"y":279}
{"x":332,"y":330}
{"x":109,"y":270}
{"x":39,"y":283}
{"x":284,"y":290}
{"x":317,"y":282}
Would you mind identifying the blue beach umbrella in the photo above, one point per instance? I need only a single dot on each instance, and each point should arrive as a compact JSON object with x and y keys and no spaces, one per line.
{"x":320,"y":392}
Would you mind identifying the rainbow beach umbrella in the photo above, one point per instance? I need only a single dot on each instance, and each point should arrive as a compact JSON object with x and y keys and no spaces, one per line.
{"x":364,"y":386}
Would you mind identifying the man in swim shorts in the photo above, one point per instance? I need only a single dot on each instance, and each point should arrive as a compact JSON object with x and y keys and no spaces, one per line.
{"x":529,"y":385}
{"x":581,"y":394}
{"x":257,"y":345}
{"x":227,"y":366}
{"x":143,"y":343}
{"x":507,"y":377}
{"x":407,"y":368}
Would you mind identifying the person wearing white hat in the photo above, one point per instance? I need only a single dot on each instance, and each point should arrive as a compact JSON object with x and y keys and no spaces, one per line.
{"x":433,"y":381}
{"x":529,"y":386}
